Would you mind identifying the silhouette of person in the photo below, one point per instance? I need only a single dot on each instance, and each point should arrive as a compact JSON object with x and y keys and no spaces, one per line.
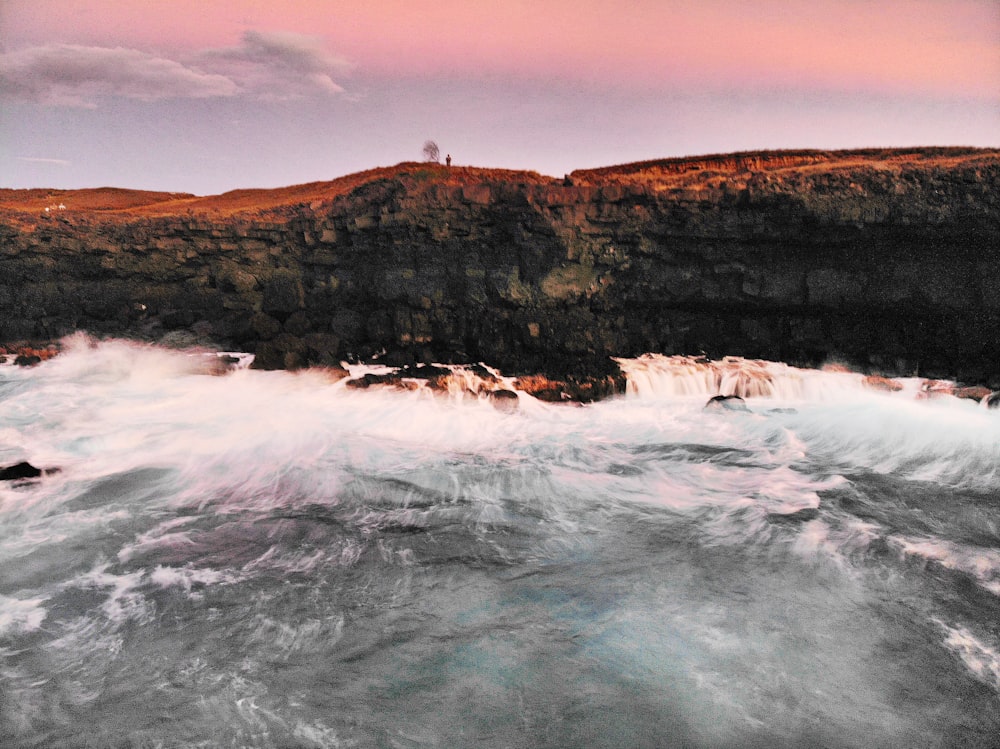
{"x":447,"y":160}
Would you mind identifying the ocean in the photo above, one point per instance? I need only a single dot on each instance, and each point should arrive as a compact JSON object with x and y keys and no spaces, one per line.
{"x":274,"y":559}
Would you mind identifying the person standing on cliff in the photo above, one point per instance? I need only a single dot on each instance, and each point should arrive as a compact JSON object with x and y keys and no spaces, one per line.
{"x":447,"y":160}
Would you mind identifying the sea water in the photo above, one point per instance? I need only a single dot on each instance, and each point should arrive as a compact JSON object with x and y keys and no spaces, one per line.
{"x":273,"y":559}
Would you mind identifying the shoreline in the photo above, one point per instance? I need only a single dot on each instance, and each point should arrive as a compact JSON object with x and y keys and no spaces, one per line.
{"x":733,"y":376}
{"x":881,"y":259}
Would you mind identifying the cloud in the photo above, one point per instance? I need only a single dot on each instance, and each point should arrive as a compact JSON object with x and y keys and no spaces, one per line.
{"x":279,"y":65}
{"x":265,"y":65}
{"x":54,"y":162}
{"x":73,"y":75}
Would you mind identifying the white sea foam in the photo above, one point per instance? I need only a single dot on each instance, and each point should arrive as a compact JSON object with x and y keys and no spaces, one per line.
{"x":386,"y":537}
{"x":20,"y":615}
{"x":121,"y":361}
{"x":317,"y":733}
{"x":658,"y":376}
{"x":124,"y":396}
{"x":953,"y":443}
{"x":836,"y":542}
{"x":188,"y":577}
{"x":163,"y":534}
{"x":124,"y":601}
{"x":982,"y":660}
{"x":982,"y":564}
{"x":284,"y":638}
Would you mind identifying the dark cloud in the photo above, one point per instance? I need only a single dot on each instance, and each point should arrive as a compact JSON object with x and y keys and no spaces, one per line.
{"x":279,"y":65}
{"x":72,"y":75}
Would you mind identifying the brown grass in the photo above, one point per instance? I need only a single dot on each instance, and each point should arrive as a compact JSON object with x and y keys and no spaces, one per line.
{"x":24,"y":207}
{"x":91,"y":199}
{"x":746,"y":161}
{"x":112,"y":202}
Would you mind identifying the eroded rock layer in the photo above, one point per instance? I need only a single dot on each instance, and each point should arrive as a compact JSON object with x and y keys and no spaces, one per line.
{"x":882,"y":259}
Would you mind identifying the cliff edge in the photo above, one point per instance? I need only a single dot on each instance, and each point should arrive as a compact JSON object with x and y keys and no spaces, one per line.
{"x":884,"y":259}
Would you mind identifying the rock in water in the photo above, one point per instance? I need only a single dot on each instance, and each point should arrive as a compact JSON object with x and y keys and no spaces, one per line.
{"x":22,"y":470}
{"x":504,"y":400}
{"x":726,"y":403}
{"x":882,"y":384}
{"x":799,"y":516}
{"x":582,"y":389}
{"x":972,"y":393}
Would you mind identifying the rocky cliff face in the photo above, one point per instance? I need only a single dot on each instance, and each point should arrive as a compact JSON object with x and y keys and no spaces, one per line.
{"x":883,"y":259}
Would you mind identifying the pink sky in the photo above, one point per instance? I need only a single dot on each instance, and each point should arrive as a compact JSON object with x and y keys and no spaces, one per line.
{"x":820,"y":56}
{"x":904,"y":46}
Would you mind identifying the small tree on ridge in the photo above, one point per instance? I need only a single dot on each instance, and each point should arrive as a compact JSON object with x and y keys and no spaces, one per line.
{"x":431,"y":152}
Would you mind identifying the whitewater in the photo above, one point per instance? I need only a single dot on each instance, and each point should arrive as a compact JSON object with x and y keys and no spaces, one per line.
{"x":275,"y":559}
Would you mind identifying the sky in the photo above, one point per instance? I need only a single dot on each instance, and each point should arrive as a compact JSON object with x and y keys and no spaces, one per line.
{"x":205,"y":96}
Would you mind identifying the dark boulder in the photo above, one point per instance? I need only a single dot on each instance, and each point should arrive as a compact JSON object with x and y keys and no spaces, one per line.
{"x":582,"y":389}
{"x":726,"y":403}
{"x":391,"y":379}
{"x":881,"y":384}
{"x":22,"y":470}
{"x":992,"y":400}
{"x":976,"y":393}
{"x":424,"y":372}
{"x":799,"y":516}
{"x":504,"y":401}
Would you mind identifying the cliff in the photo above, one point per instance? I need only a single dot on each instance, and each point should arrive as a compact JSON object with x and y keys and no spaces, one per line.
{"x":883,"y":259}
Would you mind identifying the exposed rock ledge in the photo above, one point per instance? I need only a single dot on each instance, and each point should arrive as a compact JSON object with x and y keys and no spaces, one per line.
{"x":883,"y":259}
